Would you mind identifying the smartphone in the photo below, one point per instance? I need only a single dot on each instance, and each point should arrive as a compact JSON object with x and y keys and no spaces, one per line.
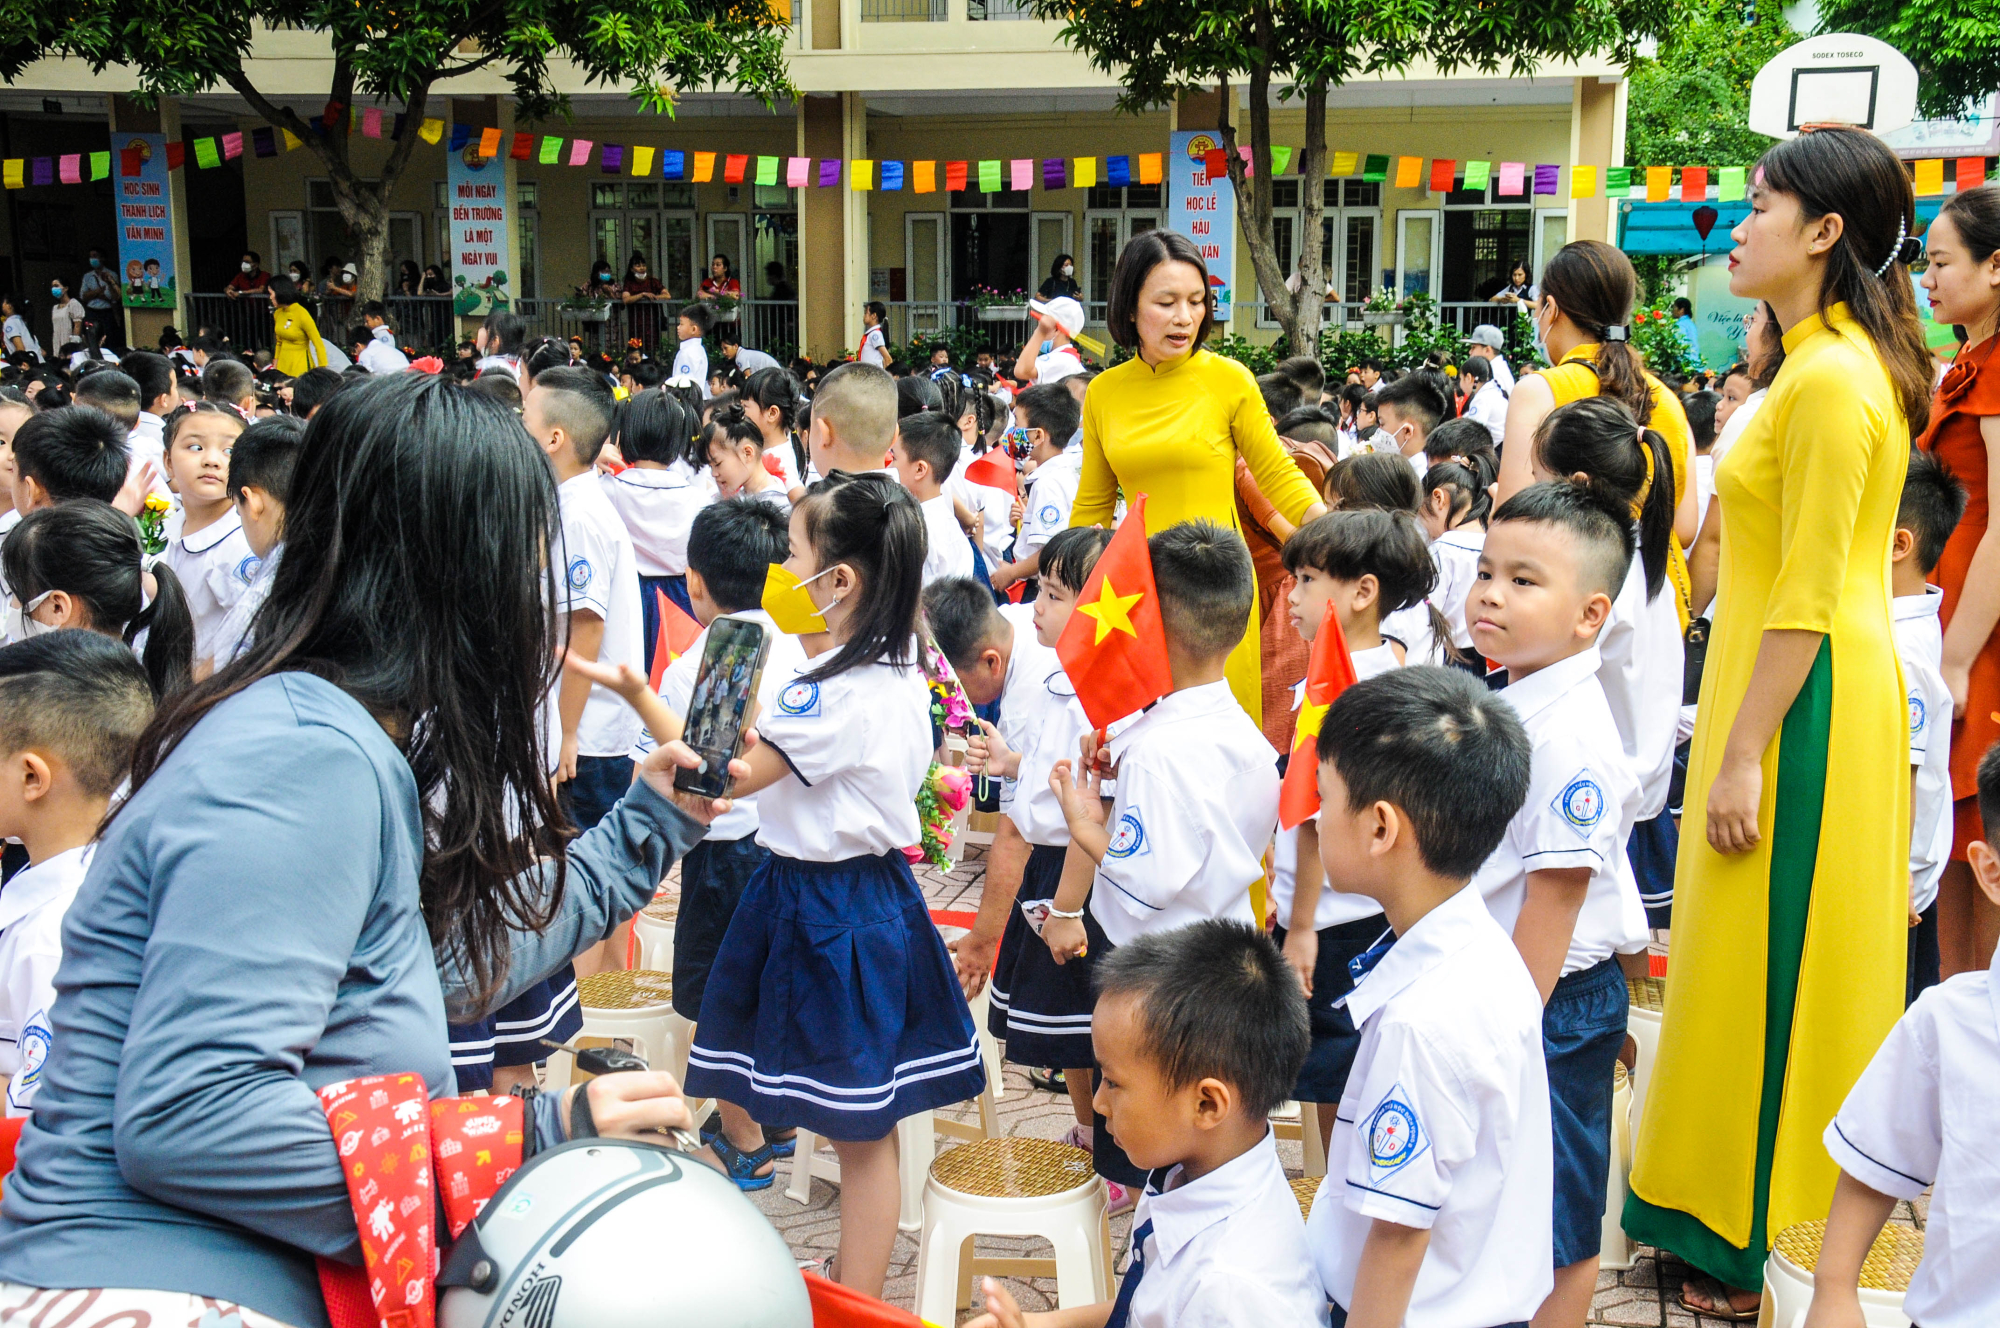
{"x":732,"y":664}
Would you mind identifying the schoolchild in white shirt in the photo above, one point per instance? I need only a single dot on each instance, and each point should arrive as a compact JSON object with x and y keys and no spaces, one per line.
{"x":771,"y":401}
{"x":1596,"y":442}
{"x":1361,"y":565}
{"x":1197,"y":795}
{"x":881,"y":1030}
{"x":926,"y":448}
{"x":1409,"y":408}
{"x":1385,"y":481}
{"x":1045,"y":418}
{"x":874,"y":342}
{"x":731,"y":548}
{"x":1200,"y":1031}
{"x":1456,"y":496}
{"x":1923,"y":1116}
{"x":691,"y":356}
{"x":1932,"y":503}
{"x":1555,"y":555}
{"x":209,"y":554}
{"x":1435,"y":1208}
{"x":1040,"y":1010}
{"x":260,"y":485}
{"x":72,"y":704}
{"x":664,"y":483}
{"x":737,"y":461}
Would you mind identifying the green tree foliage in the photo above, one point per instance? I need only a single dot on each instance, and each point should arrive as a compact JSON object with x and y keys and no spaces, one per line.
{"x":1162,"y":49}
{"x":1691,"y":101}
{"x":1955,"y":44}
{"x":399,"y":52}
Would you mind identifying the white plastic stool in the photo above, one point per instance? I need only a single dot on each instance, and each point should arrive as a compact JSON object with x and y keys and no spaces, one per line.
{"x":1300,"y":1121}
{"x":1012,"y":1187}
{"x":1615,"y":1249}
{"x":1885,"y":1276}
{"x":653,"y":936}
{"x":916,"y":1145}
{"x":1649,"y":996}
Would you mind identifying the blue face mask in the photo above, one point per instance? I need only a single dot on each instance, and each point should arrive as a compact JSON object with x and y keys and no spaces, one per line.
{"x":56,"y":291}
{"x":97,"y":262}
{"x":1048,"y":346}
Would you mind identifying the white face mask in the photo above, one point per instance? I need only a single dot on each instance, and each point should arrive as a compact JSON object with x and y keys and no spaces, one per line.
{"x":19,"y":625}
{"x":248,"y":267}
{"x":1069,"y":269}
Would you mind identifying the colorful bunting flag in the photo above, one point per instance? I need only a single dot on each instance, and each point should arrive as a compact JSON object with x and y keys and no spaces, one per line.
{"x":1281,"y":159}
{"x":989,"y":177}
{"x":642,"y":162}
{"x":1375,"y":167}
{"x":1118,"y":171}
{"x":176,"y":155}
{"x":523,"y":148}
{"x":100,"y":165}
{"x":611,"y":158}
{"x":430,"y":131}
{"x":460,"y":135}
{"x":70,"y":169}
{"x":673,"y":164}
{"x":1583,"y":182}
{"x":1694,"y":184}
{"x":1511,"y":173}
{"x":10,"y":173}
{"x":371,"y":122}
{"x":1249,"y":166}
{"x":954,"y":176}
{"x":734,"y":166}
{"x":1152,"y":165}
{"x":232,"y":146}
{"x":926,"y":177}
{"x":551,"y":150}
{"x":1547,"y":179}
{"x":1731,"y":189}
{"x":1617,"y":181}
{"x":891,"y":175}
{"x":1086,"y":173}
{"x":130,"y":162}
{"x":1930,"y":177}
{"x":1215,"y":163}
{"x":1409,"y":170}
{"x":1022,"y":173}
{"x":206,"y":156}
{"x":264,"y":142}
{"x":1053,"y":173}
{"x":767,"y":170}
{"x":829,"y":172}
{"x":489,"y":143}
{"x":1343,"y":163}
{"x":861,"y":174}
{"x":797,"y":171}
{"x":1659,"y":183}
{"x":1971,"y":172}
{"x":332,"y":114}
{"x":1478,"y":174}
{"x":579,"y":151}
{"x":292,"y":140}
{"x":704,"y":168}
{"x":1442,"y":171}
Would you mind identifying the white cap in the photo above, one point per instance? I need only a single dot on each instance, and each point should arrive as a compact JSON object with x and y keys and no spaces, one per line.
{"x":1066,"y":312}
{"x":1488,"y":335}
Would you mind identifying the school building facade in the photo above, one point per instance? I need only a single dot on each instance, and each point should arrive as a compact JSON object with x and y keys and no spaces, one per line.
{"x":880,"y":81}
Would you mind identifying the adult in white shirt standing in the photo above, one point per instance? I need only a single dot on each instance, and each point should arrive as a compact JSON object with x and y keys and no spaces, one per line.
{"x":1487,"y":342}
{"x":65,"y":317}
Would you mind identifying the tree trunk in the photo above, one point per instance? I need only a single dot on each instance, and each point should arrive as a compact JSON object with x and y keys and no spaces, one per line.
{"x":1253,"y":204}
{"x":1312,"y":269}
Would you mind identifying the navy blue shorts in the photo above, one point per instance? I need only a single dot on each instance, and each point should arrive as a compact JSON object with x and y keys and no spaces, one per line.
{"x":1583,"y":1028}
{"x":713,"y":875}
{"x":1041,"y":1009}
{"x":1334,"y":1037}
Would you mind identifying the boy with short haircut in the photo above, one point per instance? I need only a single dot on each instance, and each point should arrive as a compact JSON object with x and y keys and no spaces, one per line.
{"x":74,"y":452}
{"x":228,"y":382}
{"x":1409,"y":408}
{"x":1922,"y":1117}
{"x":691,"y":357}
{"x":114,"y":393}
{"x":1932,"y":503}
{"x":72,"y":704}
{"x":1435,"y":1208}
{"x":381,"y":355}
{"x":1046,"y":415}
{"x":1560,"y":881}
{"x":1200,"y":1031}
{"x":925,"y":450}
{"x":260,"y":484}
{"x":1197,"y":795}
{"x":853,"y":420}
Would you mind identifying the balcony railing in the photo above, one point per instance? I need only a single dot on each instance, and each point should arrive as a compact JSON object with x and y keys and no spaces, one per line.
{"x":422,"y":321}
{"x":771,"y":326}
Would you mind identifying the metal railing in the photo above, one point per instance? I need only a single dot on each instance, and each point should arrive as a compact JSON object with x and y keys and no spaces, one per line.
{"x":771,"y":326}
{"x":999,"y":10}
{"x":902,"y":11}
{"x":244,"y":322}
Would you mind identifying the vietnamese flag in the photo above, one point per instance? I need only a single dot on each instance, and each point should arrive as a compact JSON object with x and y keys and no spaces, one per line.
{"x":1328,"y":674}
{"x":677,"y":633}
{"x":996,"y":471}
{"x":1114,"y":647}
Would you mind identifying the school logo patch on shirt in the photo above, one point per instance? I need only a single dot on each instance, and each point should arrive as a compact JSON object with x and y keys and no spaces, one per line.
{"x":34,"y":1048}
{"x":246,"y":571}
{"x":1918,"y":713}
{"x":579,"y":573}
{"x":1395,"y":1136}
{"x":1581,"y":803}
{"x":1050,"y":514}
{"x":1129,"y":838}
{"x":800,"y":700}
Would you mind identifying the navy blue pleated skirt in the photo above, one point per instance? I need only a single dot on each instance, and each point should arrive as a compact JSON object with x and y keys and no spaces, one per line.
{"x":1039,"y":1008}
{"x":833,"y":1005}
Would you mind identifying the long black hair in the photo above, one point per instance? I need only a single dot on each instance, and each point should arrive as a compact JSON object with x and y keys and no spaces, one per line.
{"x":653,"y":426}
{"x":1856,"y":175}
{"x":91,"y":551}
{"x":416,"y":578}
{"x":1598,"y":439}
{"x":871,"y":523}
{"x":1595,"y":285}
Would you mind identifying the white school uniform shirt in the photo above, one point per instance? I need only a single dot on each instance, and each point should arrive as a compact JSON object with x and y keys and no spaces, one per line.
{"x":234,"y":638}
{"x":1335,"y":907}
{"x":859,"y":746}
{"x":691,"y":361}
{"x":1920,"y":647}
{"x":1489,"y":407}
{"x":1704,"y":484}
{"x":1455,"y":554}
{"x":948,"y":552}
{"x":1444,"y":1125}
{"x":1502,"y":374}
{"x":1044,"y":722}
{"x":874,"y":348}
{"x":782,"y":662}
{"x":381,"y":355}
{"x":599,"y":574}
{"x":1197,"y":802}
{"x":148,"y":442}
{"x":215,"y":567}
{"x":1057,"y":365}
{"x":1225,"y":1251}
{"x":16,"y":328}
{"x":1413,"y":629}
{"x":788,"y":468}
{"x":658,"y":508}
{"x":753,"y":361}
{"x":1924,"y":1115}
{"x":1050,"y":498}
{"x":1579,"y":810}
{"x":31,"y":919}
{"x":1642,"y":656}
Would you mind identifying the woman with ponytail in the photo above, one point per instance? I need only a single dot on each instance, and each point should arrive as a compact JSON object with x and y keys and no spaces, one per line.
{"x":1792,"y":895}
{"x":1582,"y":318}
{"x":80,"y":564}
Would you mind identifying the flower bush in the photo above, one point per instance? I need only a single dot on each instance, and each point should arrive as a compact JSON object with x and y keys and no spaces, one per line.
{"x":1659,"y":342}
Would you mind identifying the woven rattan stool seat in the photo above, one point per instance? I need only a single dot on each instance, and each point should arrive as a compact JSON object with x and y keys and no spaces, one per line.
{"x":1647,"y":993}
{"x":665,"y":908}
{"x":1013,"y":1168}
{"x":1890,"y":1264}
{"x":626,"y":989}
{"x":1303,"y":1189}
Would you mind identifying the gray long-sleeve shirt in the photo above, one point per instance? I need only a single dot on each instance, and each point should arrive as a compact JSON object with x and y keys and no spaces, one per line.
{"x":250,"y":930}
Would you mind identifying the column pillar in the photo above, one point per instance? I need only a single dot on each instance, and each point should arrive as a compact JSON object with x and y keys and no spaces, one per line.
{"x":829,"y":304}
{"x":854,"y":144}
{"x":1596,"y":138}
{"x":143,"y":326}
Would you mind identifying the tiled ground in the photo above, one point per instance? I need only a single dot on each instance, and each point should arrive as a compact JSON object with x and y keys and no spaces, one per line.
{"x":1644,"y":1296}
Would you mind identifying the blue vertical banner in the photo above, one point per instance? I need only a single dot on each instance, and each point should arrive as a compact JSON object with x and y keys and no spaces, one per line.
{"x":1204,"y":210}
{"x":145,"y":223}
{"x":481,"y":221}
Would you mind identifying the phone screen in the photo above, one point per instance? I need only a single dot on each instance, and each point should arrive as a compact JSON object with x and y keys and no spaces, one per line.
{"x":731,"y":665}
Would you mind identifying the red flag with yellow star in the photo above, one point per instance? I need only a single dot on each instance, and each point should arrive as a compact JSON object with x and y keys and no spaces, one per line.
{"x":677,"y":633}
{"x":1114,"y":646}
{"x":1328,"y":674}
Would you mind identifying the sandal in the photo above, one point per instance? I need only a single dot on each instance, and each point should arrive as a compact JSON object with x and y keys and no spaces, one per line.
{"x":741,"y":1167}
{"x":782,"y":1143}
{"x":1049,"y":1080}
{"x":1717,"y":1295}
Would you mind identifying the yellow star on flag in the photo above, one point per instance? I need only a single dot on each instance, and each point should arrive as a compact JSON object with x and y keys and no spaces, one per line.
{"x":1113,"y":612}
{"x":1311,"y":717}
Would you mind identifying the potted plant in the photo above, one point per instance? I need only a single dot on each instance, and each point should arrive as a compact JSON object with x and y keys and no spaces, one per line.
{"x":587,"y":308}
{"x":726,"y":307}
{"x":998,"y":306}
{"x":1381,"y":310}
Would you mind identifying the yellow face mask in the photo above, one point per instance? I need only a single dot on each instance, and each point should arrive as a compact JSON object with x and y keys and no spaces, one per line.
{"x":790,"y":607}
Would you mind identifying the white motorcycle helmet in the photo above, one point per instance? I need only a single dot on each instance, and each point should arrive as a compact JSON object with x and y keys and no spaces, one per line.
{"x":611,"y":1233}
